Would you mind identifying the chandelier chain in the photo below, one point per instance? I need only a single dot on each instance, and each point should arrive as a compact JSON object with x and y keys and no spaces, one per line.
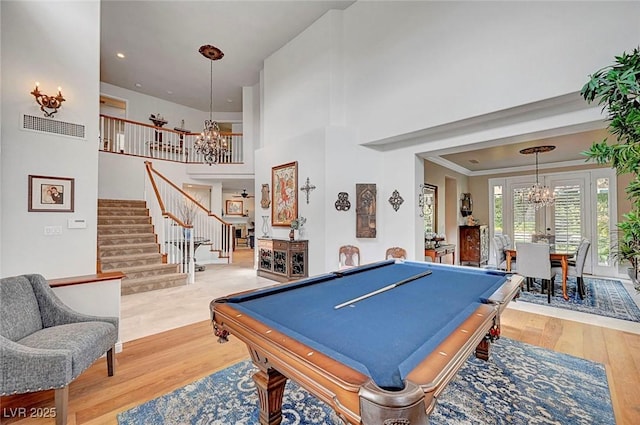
{"x":211,"y":92}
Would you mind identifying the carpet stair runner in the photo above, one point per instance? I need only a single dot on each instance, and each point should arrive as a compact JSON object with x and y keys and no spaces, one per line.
{"x":127,"y":243}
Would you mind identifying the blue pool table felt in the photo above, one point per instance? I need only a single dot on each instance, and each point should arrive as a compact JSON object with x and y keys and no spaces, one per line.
{"x":384,"y":336}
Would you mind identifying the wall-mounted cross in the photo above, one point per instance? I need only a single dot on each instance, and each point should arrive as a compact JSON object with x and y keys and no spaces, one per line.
{"x":308,"y":187}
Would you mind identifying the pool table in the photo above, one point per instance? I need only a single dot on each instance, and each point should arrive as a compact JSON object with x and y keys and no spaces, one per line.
{"x":381,"y":360}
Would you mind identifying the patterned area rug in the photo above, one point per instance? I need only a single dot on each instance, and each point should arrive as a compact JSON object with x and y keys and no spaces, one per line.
{"x":604,"y":297}
{"x":521,"y":384}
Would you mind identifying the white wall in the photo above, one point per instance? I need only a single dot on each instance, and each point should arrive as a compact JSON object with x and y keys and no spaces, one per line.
{"x":415,"y":65}
{"x":66,"y":54}
{"x":140,"y":107}
{"x":297,"y":83}
{"x":308,"y":150}
{"x":382,"y":70}
{"x":123,"y":177}
{"x":348,"y":164}
{"x":120,"y":176}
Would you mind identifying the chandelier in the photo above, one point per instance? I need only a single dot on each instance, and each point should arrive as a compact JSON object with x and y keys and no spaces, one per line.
{"x":539,"y":195}
{"x":210,"y":143}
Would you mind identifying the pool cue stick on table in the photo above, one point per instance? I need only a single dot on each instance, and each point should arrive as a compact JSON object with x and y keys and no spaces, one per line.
{"x":381,"y":290}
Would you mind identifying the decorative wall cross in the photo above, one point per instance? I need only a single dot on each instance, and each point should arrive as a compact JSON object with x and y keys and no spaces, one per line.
{"x":308,"y":187}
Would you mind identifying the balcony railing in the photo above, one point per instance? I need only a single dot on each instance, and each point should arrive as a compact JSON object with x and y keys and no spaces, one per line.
{"x":139,"y":139}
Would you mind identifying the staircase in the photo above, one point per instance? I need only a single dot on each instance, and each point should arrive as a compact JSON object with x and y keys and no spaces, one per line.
{"x":127,"y":243}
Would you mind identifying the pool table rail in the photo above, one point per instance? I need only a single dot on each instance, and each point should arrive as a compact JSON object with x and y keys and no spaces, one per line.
{"x":507,"y":292}
{"x":436,"y":370}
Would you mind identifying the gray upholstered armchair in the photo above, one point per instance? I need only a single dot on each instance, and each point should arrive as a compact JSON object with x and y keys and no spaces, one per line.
{"x":44,"y":344}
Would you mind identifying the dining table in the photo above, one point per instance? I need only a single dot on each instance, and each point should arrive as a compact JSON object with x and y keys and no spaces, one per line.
{"x":562,"y":256}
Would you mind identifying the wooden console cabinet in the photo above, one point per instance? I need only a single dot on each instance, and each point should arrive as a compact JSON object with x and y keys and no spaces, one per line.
{"x":474,"y":245}
{"x":282,"y":260}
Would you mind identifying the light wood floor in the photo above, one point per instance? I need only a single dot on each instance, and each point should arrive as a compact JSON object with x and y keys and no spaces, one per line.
{"x":155,"y":365}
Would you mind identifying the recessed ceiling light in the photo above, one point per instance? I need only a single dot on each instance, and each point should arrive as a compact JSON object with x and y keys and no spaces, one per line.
{"x":229,"y":100}
{"x":169,"y":92}
{"x":120,"y":55}
{"x":138,"y":85}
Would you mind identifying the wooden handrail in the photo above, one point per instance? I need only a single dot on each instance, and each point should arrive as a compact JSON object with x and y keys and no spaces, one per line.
{"x":177,"y":220}
{"x":150,"y":169}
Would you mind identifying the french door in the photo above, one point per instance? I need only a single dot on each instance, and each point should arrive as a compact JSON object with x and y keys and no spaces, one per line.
{"x":584,"y":205}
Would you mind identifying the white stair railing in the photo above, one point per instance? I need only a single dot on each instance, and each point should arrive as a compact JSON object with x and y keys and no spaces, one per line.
{"x":127,"y":137}
{"x":183,"y":224}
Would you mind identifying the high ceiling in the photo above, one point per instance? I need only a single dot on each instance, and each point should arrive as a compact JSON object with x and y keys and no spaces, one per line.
{"x":160,"y":42}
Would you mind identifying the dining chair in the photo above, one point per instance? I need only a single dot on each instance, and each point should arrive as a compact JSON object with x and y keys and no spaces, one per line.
{"x":497,"y":246}
{"x":576,"y":267}
{"x":499,"y":256}
{"x":396,"y":252}
{"x":507,"y":241}
{"x":534,"y":263}
{"x":348,"y":256}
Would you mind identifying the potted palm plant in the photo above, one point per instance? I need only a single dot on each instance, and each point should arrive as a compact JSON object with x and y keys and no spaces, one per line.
{"x":628,"y":247}
{"x":617,"y":89}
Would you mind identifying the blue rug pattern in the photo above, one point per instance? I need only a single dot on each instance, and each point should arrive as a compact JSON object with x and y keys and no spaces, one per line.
{"x":520,"y":384}
{"x":604,"y":297}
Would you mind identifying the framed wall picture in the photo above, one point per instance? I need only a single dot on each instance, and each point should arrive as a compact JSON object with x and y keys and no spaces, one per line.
{"x":284,"y":203}
{"x":233,"y":207}
{"x":366,"y":210}
{"x":50,"y":194}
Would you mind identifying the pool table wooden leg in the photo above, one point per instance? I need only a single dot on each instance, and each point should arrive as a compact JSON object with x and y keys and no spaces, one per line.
{"x":270,"y":384}
{"x":484,"y":347}
{"x":482,"y":350}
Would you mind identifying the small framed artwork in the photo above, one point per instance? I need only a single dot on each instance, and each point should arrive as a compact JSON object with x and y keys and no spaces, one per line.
{"x":284,"y":183}
{"x":366,"y":210}
{"x":51,"y":194}
{"x":233,"y":207}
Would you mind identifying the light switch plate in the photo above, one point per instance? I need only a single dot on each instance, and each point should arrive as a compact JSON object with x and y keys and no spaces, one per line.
{"x":77,"y":223}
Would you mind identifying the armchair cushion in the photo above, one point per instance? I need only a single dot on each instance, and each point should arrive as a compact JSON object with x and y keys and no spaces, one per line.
{"x":24,"y":369}
{"x":86,"y":342}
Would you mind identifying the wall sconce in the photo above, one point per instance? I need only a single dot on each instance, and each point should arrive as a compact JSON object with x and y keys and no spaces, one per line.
{"x":48,"y":102}
{"x":466,"y":204}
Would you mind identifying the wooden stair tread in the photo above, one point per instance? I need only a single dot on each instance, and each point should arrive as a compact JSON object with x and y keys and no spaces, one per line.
{"x":129,"y":246}
{"x":148,"y":267}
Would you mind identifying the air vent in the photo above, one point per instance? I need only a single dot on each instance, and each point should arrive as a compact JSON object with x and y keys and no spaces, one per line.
{"x":46,"y":125}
